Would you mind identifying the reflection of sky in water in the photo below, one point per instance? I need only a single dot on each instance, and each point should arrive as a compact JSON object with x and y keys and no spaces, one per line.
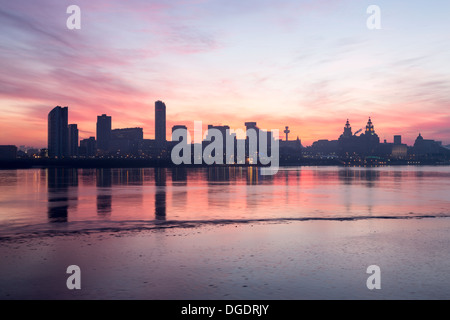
{"x":97,"y":198}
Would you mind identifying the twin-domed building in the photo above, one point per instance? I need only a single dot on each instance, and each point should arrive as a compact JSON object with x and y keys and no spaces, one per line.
{"x":364,"y":144}
{"x":368,"y":143}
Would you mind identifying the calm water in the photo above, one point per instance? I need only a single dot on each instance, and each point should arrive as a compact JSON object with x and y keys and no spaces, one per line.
{"x":72,"y":200}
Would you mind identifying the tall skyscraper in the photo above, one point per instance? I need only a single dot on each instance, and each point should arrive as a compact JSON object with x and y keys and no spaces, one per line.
{"x":73,"y":140}
{"x":58,"y":132}
{"x":103,"y":132}
{"x":160,"y":122}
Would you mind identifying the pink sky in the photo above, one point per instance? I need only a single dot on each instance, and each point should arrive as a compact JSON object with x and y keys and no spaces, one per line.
{"x":308,"y":65}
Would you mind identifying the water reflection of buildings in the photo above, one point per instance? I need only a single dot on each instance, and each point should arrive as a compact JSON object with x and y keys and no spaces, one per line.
{"x":219,"y":179}
{"x":125,"y":177}
{"x":102,"y":187}
{"x":160,"y":193}
{"x":368,"y":177}
{"x":218,"y":174}
{"x":252,"y":176}
{"x":291,"y":182}
{"x":104,"y":191}
{"x":179,"y":187}
{"x":62,"y":184}
{"x":127,"y":186}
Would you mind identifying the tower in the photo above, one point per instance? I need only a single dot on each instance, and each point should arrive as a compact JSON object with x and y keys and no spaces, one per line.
{"x":369,"y":139}
{"x":347,"y":130}
{"x":369,"y":128}
{"x":287,"y":131}
{"x":58,"y":132}
{"x":160,"y":122}
{"x":103,"y":132}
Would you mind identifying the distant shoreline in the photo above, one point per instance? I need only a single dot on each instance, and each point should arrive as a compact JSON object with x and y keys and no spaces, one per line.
{"x":158,"y":163}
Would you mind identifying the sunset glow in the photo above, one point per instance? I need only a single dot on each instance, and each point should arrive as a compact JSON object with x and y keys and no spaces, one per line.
{"x":308,"y":65}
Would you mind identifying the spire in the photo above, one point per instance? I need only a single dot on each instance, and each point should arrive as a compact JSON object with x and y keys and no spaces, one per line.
{"x":369,"y":127}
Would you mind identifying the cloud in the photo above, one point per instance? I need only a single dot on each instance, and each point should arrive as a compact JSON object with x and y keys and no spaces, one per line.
{"x":295,"y":63}
{"x":30,"y":26}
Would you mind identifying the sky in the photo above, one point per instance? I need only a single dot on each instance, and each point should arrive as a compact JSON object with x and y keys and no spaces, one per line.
{"x":306,"y":64}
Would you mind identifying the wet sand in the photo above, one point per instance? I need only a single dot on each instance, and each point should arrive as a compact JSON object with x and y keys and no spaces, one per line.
{"x":294,"y":260}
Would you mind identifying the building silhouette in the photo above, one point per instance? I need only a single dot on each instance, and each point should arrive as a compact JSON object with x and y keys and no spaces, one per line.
{"x":369,"y":140}
{"x":103,"y":132}
{"x":126,"y":140}
{"x":226,"y":135}
{"x":396,"y":150}
{"x":58,"y":133}
{"x":88,"y":147}
{"x":160,"y":122}
{"x":290,"y":150}
{"x":350,"y":144}
{"x":427,"y":147}
{"x":73,"y":140}
{"x":177,"y":127}
{"x":286,"y":132}
{"x":130,"y":143}
{"x":8,"y":152}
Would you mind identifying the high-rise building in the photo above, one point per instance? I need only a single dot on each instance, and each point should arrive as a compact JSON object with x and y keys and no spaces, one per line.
{"x":160,"y":122}
{"x":103,"y":132}
{"x":397,"y":139}
{"x":58,"y":132}
{"x":73,"y":140}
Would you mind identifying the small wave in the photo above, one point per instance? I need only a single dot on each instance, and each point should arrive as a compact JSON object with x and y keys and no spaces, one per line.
{"x":92,"y":227}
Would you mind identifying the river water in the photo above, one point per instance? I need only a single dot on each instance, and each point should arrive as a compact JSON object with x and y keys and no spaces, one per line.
{"x":37,"y":202}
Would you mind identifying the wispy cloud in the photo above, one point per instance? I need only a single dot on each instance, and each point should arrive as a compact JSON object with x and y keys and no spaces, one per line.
{"x":306,"y":64}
